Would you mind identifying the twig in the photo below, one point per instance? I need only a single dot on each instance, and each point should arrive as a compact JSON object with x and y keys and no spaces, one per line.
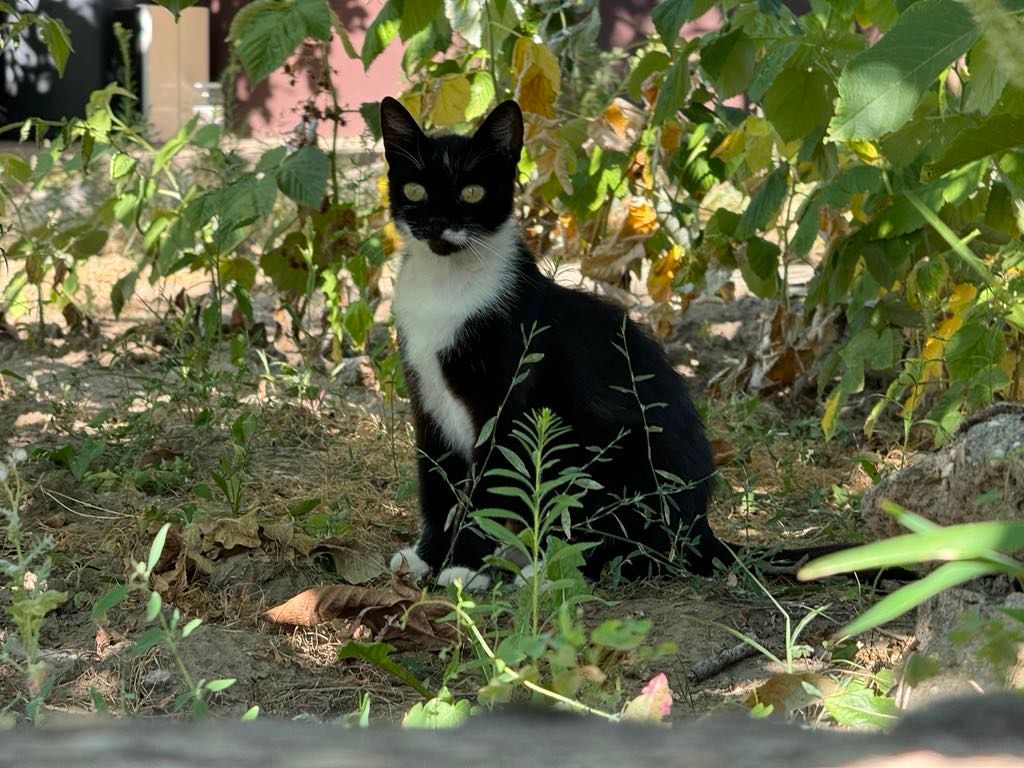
{"x":712,"y":665}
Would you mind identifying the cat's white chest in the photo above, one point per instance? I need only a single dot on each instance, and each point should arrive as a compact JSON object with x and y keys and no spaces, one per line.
{"x":434,"y":298}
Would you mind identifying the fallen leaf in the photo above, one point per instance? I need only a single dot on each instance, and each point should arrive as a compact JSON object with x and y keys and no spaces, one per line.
{"x":55,"y":521}
{"x":154,"y":457}
{"x":231,"y":532}
{"x":654,"y":702}
{"x":722,"y":451}
{"x":397,"y":617}
{"x":355,"y":563}
{"x":785,"y":692}
{"x":280,"y":531}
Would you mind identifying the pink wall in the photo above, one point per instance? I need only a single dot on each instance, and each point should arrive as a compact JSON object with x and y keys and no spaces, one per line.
{"x":275,"y":106}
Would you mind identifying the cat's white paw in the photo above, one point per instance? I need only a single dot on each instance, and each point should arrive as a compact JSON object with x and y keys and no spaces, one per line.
{"x":526,"y":573}
{"x":417,"y":566}
{"x":472,"y":581}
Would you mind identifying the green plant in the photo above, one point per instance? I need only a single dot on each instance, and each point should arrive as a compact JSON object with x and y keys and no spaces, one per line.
{"x":26,"y":570}
{"x":168,"y":631}
{"x":968,"y":551}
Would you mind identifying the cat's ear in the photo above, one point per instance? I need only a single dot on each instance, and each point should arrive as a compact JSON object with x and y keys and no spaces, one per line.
{"x":398,"y":128}
{"x":503,"y":129}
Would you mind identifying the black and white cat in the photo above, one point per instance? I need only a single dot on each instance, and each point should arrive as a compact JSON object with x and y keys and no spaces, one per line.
{"x":466,"y":288}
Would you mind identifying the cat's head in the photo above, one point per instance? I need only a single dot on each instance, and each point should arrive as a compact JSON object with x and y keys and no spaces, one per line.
{"x":450,"y":192}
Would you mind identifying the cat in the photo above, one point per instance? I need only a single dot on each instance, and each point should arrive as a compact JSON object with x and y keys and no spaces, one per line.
{"x":466,"y":291}
{"x":467,"y":294}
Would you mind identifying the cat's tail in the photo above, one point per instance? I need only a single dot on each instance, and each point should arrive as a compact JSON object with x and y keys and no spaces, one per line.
{"x":786,"y":562}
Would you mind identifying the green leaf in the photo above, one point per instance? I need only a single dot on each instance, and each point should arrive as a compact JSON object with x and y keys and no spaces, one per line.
{"x":514,"y":460}
{"x":382,"y":30}
{"x":111,"y":598}
{"x":153,"y":606}
{"x":764,"y":207}
{"x":481,"y":95}
{"x":861,"y":708}
{"x":157,"y":547}
{"x":425,"y":44}
{"x":251,"y":713}
{"x":215,"y":686}
{"x":996,"y":134}
{"x":760,"y":268}
{"x":58,"y":41}
{"x":267,"y":32}
{"x":176,"y":6}
{"x":880,"y":87}
{"x":151,"y":637}
{"x":191,"y":627}
{"x":988,"y":77}
{"x":769,"y":67}
{"x":955,"y":542}
{"x":729,"y":61}
{"x":674,"y":88}
{"x":359,"y":322}
{"x":670,"y":15}
{"x":303,"y":176}
{"x":121,"y":165}
{"x":908,"y":597}
{"x":652,"y":61}
{"x":974,"y":348}
{"x":379,"y":655}
{"x":799,"y":101}
{"x":417,"y":15}
{"x":439,"y":712}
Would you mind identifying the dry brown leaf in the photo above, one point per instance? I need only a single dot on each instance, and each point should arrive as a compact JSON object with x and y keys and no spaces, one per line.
{"x":397,"y":617}
{"x":154,"y":457}
{"x":231,"y":532}
{"x":281,"y":530}
{"x":786,"y":693}
{"x":355,"y":563}
{"x":722,"y":451}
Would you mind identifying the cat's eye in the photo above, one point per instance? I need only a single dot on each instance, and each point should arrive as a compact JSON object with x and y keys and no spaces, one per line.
{"x":415,"y":192}
{"x":474,"y":193}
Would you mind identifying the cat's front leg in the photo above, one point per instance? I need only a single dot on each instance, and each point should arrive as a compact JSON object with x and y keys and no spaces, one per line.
{"x":440,"y":471}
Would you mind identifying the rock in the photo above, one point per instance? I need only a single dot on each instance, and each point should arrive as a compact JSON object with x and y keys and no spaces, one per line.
{"x":957,"y":666}
{"x":978,"y":476}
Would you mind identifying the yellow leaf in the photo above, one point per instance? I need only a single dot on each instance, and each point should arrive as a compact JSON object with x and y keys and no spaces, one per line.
{"x":760,"y":139}
{"x":382,"y":190}
{"x":537,"y":78}
{"x":857,"y":206}
{"x":625,"y":120}
{"x":391,"y":241}
{"x":830,"y":417}
{"x":451,"y":101}
{"x":671,"y":136}
{"x":663,"y":272}
{"x":413,"y":101}
{"x":865,"y":150}
{"x":641,"y":219}
{"x":961,"y":298}
{"x":732,"y":145}
{"x":931,"y":360}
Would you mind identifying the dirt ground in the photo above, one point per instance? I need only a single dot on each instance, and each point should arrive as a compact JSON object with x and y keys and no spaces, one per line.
{"x":350,"y":450}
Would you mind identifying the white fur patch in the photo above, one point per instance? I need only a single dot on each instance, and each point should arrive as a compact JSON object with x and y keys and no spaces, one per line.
{"x":417,"y":566}
{"x":526,"y":573}
{"x":456,"y":237}
{"x":434,"y":297}
{"x":473,"y":581}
